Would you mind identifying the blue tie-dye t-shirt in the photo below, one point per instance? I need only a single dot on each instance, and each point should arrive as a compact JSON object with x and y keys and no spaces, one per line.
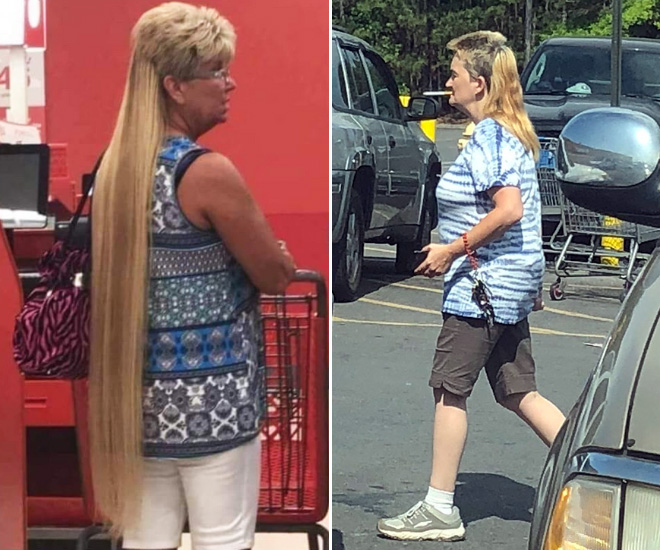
{"x":512,"y":266}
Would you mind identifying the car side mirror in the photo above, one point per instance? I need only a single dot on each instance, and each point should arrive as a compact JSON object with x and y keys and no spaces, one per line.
{"x":608,"y":160}
{"x":422,"y":108}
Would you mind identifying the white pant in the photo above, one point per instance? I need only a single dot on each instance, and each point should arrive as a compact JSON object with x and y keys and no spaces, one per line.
{"x":220,"y":493}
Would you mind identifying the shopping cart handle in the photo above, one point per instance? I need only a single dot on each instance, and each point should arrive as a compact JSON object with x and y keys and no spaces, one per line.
{"x":307,"y":275}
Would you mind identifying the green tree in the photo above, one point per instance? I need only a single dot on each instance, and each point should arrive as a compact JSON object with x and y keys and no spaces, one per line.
{"x":640,"y":18}
{"x":412,"y":35}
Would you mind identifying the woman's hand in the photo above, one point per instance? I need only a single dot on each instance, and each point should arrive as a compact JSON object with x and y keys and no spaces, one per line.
{"x":538,"y":303}
{"x":438,"y":260}
{"x":286,"y":252}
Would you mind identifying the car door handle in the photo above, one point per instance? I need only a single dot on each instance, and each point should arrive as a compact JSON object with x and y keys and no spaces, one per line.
{"x":369,"y":139}
{"x":391,"y":141}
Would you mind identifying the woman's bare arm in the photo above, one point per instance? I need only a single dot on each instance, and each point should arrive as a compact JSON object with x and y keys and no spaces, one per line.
{"x":508,"y":211}
{"x":212,"y":194}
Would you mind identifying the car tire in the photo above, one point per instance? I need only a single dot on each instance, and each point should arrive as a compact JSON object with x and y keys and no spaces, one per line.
{"x":406,"y":259}
{"x":348,"y":254}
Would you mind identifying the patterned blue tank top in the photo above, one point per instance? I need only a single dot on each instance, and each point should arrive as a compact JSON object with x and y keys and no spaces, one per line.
{"x":204,"y":374}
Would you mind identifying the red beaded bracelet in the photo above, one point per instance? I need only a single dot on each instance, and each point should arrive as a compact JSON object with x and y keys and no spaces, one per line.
{"x":470,"y":253}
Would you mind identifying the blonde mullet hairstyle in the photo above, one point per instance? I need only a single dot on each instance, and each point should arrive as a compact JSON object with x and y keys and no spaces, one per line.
{"x":171,"y":39}
{"x":484,"y":53}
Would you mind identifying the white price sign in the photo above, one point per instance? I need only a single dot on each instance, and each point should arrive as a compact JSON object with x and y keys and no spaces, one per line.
{"x":23,"y":23}
{"x":36,"y":91}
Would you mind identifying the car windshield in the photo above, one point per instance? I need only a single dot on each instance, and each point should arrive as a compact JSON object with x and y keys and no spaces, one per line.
{"x":564,"y":70}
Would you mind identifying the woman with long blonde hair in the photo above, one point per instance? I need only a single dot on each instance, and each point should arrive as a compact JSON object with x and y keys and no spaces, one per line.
{"x":491,"y":256}
{"x":180,"y":254}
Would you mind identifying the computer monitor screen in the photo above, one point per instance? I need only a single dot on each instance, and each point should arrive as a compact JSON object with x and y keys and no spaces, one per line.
{"x":24,"y":177}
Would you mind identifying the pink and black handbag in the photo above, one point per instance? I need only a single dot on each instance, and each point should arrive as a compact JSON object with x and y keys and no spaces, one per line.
{"x":51,"y":334}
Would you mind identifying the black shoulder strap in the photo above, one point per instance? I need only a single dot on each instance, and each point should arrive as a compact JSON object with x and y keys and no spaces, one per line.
{"x":81,"y":204}
{"x":185,"y":162}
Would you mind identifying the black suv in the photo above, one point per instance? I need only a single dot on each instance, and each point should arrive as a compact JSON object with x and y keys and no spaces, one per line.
{"x":384,"y":168}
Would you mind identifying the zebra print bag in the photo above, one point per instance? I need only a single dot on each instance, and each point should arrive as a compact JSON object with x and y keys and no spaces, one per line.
{"x":51,"y":334}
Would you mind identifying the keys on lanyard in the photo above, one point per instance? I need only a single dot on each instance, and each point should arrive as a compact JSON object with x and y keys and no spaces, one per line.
{"x":481,"y":295}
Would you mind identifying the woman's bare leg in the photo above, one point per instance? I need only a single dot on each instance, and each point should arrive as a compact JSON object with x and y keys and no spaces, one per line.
{"x":449,"y":435}
{"x":540,"y":414}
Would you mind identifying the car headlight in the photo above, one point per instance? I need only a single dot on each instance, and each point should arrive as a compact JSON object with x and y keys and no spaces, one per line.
{"x":585,"y":517}
{"x":641,"y":521}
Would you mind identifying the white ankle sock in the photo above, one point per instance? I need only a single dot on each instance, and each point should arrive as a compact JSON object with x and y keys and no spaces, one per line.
{"x":443,"y":501}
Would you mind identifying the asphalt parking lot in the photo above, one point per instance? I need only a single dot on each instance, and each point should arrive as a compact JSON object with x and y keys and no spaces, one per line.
{"x":382,"y":407}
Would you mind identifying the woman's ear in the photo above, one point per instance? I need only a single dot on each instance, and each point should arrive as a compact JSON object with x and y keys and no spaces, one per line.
{"x":173,"y":88}
{"x":480,"y":84}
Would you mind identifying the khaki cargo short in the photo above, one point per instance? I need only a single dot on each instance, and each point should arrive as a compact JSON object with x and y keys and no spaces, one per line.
{"x":466,"y":345}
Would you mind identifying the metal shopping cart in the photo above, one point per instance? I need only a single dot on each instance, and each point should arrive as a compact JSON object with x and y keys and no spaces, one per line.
{"x":576,"y":233}
{"x":583,"y":250}
{"x":294,"y":485}
{"x":554,"y":234}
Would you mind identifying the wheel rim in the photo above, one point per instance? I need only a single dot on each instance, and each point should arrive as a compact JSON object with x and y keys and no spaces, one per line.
{"x":352,"y":249}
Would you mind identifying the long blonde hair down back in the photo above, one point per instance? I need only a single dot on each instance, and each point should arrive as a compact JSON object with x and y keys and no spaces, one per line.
{"x":171,"y":39}
{"x":484,"y":53}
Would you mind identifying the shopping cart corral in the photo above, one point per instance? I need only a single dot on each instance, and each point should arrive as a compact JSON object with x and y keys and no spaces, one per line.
{"x":574,"y":236}
{"x":294,"y":488}
{"x":583,"y":251}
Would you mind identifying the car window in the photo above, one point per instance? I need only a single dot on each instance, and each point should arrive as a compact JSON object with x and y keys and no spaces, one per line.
{"x":640,"y":73}
{"x":339,"y":93}
{"x":387,"y":97}
{"x":584,"y":70}
{"x":566,"y":69}
{"x":358,"y":83}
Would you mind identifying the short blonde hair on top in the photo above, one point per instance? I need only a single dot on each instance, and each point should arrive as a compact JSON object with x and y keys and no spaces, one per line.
{"x":177,"y":38}
{"x":477,"y":51}
{"x":485,"y":54}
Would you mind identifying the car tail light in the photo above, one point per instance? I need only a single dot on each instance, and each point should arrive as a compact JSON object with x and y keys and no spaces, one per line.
{"x":585,"y":516}
{"x":641,"y":521}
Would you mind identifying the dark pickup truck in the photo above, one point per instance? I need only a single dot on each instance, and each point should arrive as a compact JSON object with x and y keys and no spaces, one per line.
{"x":567,"y":76}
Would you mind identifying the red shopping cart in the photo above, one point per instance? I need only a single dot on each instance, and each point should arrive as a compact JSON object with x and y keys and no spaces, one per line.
{"x":295,"y":447}
{"x":294,"y":491}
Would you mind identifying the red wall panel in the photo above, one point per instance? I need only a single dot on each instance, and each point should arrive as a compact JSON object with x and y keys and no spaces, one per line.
{"x":278,"y":131}
{"x":12,"y":432}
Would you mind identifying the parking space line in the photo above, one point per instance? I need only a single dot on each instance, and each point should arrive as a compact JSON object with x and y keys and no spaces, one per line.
{"x":548,"y":309}
{"x":386,"y":323}
{"x":411,"y":287}
{"x":533,"y":330}
{"x":576,"y":314}
{"x":551,"y":332}
{"x":587,"y":287}
{"x":399,"y":306}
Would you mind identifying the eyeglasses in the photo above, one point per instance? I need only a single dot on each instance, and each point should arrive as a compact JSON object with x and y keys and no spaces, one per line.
{"x":220,"y":74}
